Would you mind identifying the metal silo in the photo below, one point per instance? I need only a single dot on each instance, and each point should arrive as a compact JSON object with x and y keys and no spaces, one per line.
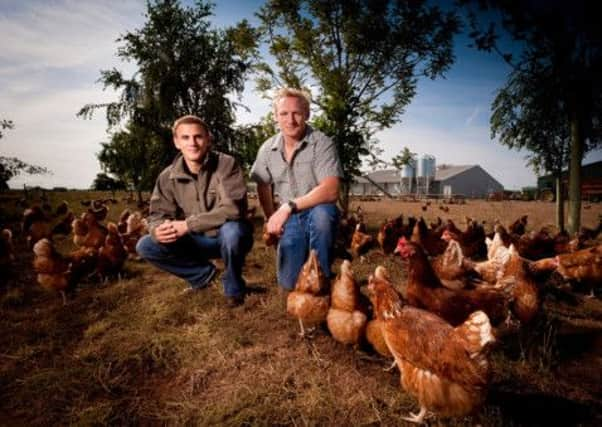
{"x":407,"y":178}
{"x":425,"y":173}
{"x":407,"y":171}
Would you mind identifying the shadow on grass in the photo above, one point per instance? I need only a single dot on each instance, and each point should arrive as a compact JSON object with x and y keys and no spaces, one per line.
{"x":538,"y":409}
{"x":257,"y":290}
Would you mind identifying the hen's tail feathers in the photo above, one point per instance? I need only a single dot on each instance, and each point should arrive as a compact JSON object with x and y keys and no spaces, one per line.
{"x":477,"y":333}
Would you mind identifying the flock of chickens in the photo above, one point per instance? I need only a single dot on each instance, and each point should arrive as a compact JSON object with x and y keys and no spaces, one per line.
{"x":100,"y":250}
{"x":464,"y":287}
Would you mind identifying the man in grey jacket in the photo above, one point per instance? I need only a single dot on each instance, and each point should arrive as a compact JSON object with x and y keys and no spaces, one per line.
{"x":197,"y":213}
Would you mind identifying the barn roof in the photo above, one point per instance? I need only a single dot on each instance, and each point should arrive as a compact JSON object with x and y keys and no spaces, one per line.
{"x":447,"y":171}
{"x":385,"y":175}
{"x":392,"y":175}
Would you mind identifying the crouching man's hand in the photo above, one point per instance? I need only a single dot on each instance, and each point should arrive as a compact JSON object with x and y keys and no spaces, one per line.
{"x":170,"y":231}
{"x":278,"y":219}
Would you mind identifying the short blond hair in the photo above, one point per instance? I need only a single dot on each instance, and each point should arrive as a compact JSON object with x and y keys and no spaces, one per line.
{"x":286,"y":92}
{"x":189,"y":119}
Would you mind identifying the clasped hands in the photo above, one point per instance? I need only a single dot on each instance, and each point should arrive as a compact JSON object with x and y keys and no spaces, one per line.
{"x":170,"y":230}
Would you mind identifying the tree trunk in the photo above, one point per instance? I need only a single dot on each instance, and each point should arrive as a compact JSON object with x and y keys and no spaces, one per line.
{"x":344,"y":189}
{"x":559,"y":203}
{"x":574,"y":217}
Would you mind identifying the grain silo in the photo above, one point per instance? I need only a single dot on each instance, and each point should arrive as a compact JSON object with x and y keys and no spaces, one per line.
{"x":408,"y":172}
{"x":425,"y":173}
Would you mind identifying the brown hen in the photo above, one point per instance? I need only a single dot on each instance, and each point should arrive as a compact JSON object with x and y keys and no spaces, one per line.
{"x":425,"y":290}
{"x":36,"y":225}
{"x":345,"y":321}
{"x":429,"y":240}
{"x":374,"y":328}
{"x":53,"y":270}
{"x":112,"y":254}
{"x":309,"y":302}
{"x":584,"y":266}
{"x":517,"y":278}
{"x":360,"y":241}
{"x":445,"y":368}
{"x":136,"y":226}
{"x":88,"y":232}
{"x":451,"y":267}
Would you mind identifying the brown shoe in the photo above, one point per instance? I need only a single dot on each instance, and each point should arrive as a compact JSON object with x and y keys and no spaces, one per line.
{"x":235,"y":301}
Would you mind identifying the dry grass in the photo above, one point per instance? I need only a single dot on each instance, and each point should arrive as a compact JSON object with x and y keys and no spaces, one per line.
{"x":137,"y":351}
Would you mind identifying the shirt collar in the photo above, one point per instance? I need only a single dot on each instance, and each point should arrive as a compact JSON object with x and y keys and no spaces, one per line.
{"x":278,"y":142}
{"x":180,"y":170}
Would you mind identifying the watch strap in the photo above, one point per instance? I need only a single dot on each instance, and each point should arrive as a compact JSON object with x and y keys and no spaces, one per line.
{"x":291,"y":204}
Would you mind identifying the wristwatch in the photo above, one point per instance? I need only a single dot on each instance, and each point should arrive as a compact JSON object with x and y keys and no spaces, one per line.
{"x":291,"y":204}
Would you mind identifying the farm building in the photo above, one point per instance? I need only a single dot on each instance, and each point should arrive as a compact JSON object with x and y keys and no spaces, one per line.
{"x":468,"y":180}
{"x":591,"y":183}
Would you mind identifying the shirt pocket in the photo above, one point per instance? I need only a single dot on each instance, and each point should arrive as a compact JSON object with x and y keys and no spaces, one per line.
{"x":279,"y":171}
{"x":305,"y":154}
{"x":304,"y":174}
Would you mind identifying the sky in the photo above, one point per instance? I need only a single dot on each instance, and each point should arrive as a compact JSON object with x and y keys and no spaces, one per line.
{"x":52,"y":53}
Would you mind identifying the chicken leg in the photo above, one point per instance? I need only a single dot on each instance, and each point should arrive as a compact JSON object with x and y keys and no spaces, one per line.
{"x":305,"y":333}
{"x":416,"y":418}
{"x":390,"y":368}
{"x":302,"y":333}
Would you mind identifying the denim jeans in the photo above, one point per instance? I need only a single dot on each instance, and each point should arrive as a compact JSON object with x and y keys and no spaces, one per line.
{"x":313,"y":228}
{"x":188,"y":257}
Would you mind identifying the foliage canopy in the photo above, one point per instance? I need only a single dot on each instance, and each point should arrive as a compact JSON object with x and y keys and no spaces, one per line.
{"x":10,"y":167}
{"x":183,"y":67}
{"x":361,"y":58}
{"x":552,"y":102}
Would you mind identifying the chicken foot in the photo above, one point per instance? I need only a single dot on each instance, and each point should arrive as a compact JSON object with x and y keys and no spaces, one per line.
{"x":417,"y":418}
{"x":305,"y":333}
{"x":390,"y":368}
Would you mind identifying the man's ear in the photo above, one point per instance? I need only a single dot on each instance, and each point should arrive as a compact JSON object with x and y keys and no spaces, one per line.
{"x":175,"y":142}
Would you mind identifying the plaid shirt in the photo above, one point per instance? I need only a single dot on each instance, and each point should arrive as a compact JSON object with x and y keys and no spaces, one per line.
{"x":314,"y":159}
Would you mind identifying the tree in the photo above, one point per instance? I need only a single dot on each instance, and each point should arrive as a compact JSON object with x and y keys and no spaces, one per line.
{"x":250,"y":137}
{"x":5,"y":124}
{"x":404,"y":158}
{"x":104,"y":182}
{"x":10,"y":167}
{"x":525,"y":118}
{"x":560,"y":41}
{"x":183,"y":67}
{"x":363,"y":58}
{"x":132,"y":156}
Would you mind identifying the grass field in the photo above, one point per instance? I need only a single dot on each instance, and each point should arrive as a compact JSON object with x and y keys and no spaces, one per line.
{"x":138,"y":351}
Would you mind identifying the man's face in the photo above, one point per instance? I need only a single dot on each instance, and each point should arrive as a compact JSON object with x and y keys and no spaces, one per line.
{"x":291,"y":116}
{"x":193,"y":141}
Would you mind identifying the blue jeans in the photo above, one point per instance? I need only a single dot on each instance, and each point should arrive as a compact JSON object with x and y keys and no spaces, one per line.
{"x":188,"y":257}
{"x":313,"y":228}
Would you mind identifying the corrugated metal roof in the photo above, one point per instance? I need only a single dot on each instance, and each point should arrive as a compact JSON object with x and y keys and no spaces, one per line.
{"x":392,"y":175}
{"x":447,"y":171}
